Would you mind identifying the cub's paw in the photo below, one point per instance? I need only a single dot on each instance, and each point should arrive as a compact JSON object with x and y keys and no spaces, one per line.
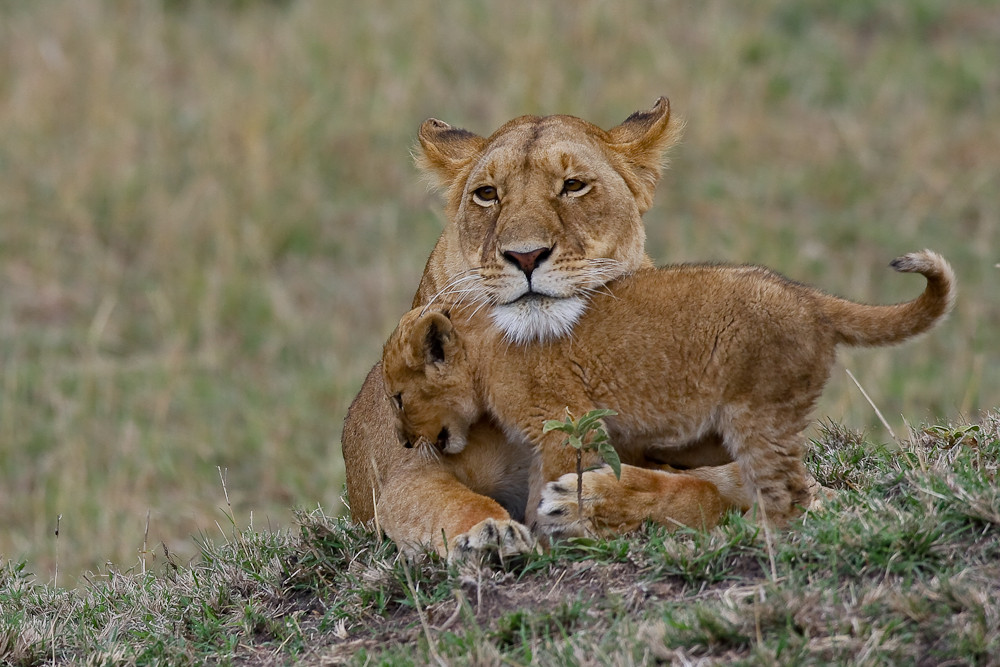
{"x":559,"y":510}
{"x":492,"y":539}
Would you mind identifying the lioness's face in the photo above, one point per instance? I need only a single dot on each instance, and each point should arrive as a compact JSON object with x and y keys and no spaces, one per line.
{"x":529,"y":212}
{"x":546,"y":211}
{"x":428,"y":381}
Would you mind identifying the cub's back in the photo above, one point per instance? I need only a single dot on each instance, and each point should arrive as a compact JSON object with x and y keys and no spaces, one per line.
{"x":705,"y":329}
{"x":686,"y":301}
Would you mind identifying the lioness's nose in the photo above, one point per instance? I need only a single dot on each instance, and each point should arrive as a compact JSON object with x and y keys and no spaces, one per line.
{"x":528,"y":261}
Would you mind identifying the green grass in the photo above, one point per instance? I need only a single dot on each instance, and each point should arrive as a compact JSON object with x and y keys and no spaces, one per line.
{"x":901,"y":567}
{"x":209,"y":219}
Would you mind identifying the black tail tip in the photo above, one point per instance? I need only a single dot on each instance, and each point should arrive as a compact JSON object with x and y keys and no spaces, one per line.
{"x":914,"y":262}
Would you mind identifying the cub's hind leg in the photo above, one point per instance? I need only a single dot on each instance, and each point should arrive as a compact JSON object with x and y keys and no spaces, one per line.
{"x":774,"y":475}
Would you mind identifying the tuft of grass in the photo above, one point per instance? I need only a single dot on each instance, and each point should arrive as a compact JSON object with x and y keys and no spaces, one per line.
{"x":899,"y":568}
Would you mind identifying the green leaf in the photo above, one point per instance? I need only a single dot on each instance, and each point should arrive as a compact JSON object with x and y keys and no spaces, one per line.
{"x":588,"y":421}
{"x":584,"y":542}
{"x":610,"y":457}
{"x":576,"y":442}
{"x":556,"y":425}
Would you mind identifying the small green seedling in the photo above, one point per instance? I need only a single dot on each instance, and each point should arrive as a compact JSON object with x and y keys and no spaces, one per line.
{"x":966,"y":434}
{"x":587,"y":434}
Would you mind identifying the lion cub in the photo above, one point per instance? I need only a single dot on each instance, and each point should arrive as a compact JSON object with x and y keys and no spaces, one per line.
{"x":678,"y":352}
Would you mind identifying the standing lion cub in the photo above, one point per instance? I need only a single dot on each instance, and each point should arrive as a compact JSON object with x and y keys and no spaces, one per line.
{"x":678,"y":352}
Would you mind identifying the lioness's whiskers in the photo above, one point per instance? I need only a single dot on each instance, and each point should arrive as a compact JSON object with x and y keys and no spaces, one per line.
{"x":465,"y":276}
{"x":452,"y":287}
{"x":463,"y":295}
{"x":485,"y":302}
{"x":468,"y":288}
{"x":468,"y":274}
{"x":599,"y":272}
{"x":606,"y":262}
{"x":601,"y":289}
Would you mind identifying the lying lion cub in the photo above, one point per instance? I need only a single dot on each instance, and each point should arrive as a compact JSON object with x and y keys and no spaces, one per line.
{"x":677,"y":352}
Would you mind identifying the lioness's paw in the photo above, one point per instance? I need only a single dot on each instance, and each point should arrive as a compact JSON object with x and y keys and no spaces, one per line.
{"x":492,"y":539}
{"x":559,"y":510}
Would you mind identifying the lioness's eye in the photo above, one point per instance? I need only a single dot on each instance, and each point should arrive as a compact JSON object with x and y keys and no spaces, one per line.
{"x":573,"y":185}
{"x":485,"y":195}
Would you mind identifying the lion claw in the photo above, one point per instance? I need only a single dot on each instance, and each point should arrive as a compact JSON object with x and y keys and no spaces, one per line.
{"x":491,"y":539}
{"x":559,"y":512}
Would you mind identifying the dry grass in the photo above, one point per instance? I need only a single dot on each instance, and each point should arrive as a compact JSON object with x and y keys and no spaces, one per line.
{"x":209,"y":219}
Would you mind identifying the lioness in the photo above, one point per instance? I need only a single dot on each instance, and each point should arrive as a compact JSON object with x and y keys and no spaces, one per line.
{"x":677,"y":352}
{"x":539,"y":215}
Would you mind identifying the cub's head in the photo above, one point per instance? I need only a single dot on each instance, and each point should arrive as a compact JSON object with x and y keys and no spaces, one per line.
{"x":542,"y":213}
{"x":429,"y":381}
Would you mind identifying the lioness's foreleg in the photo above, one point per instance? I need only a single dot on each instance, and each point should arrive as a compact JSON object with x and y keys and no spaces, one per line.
{"x":433,"y":509}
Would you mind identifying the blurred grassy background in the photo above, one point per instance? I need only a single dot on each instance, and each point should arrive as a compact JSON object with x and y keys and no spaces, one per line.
{"x":209,"y":218}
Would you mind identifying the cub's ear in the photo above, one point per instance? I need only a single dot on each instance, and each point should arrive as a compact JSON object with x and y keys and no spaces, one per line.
{"x":642,"y":140}
{"x":445,"y":151}
{"x":433,"y":339}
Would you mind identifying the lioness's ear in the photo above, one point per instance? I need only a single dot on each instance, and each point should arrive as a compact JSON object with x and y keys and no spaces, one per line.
{"x":642,"y":140}
{"x":433,"y":339}
{"x":445,"y":150}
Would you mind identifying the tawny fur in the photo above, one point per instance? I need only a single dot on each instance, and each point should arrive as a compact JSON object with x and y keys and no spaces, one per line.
{"x":677,"y":352}
{"x":594,"y":238}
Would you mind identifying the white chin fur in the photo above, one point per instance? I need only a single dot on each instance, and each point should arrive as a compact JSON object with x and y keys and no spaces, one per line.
{"x":538,"y":318}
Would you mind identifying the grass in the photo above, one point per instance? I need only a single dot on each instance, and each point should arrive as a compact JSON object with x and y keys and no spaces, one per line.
{"x":900,"y":568}
{"x":209,"y":220}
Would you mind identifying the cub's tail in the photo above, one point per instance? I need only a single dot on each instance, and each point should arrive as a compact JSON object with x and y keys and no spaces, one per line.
{"x":862,"y":325}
